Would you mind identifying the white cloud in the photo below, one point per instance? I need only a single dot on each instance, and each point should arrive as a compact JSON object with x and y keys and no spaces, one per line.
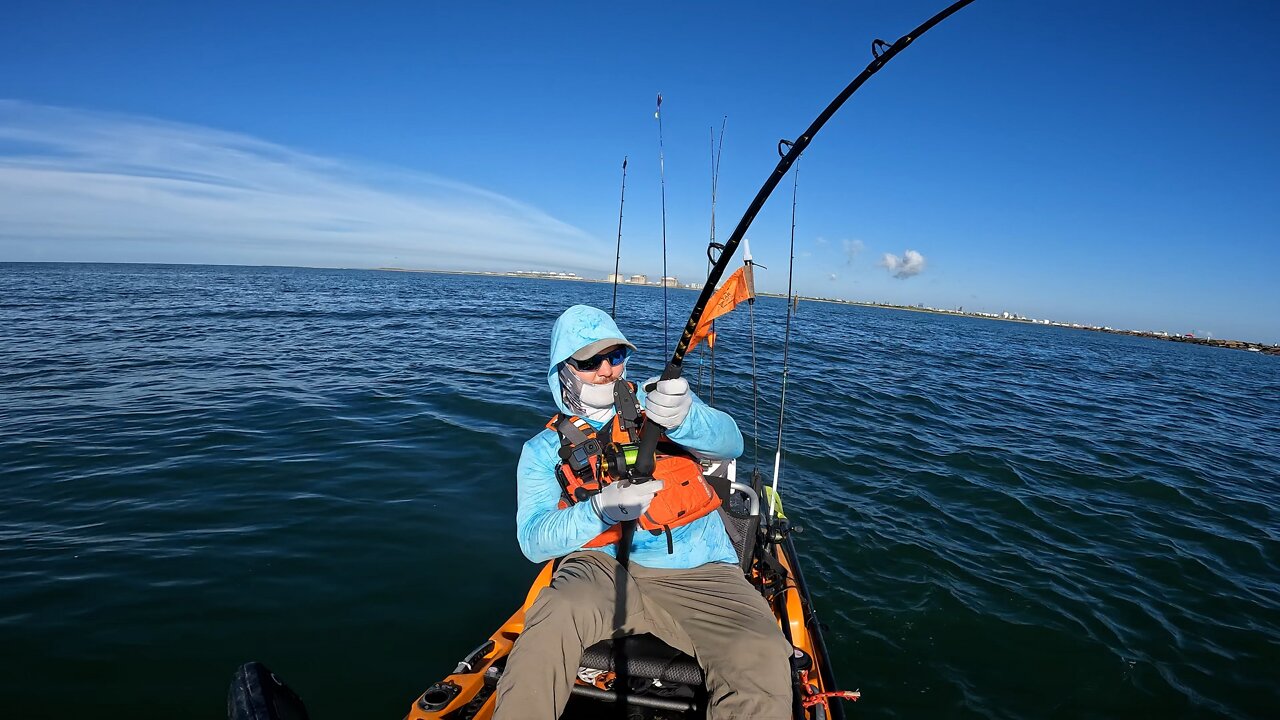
{"x":81,"y":185}
{"x":911,"y":263}
{"x":851,"y":249}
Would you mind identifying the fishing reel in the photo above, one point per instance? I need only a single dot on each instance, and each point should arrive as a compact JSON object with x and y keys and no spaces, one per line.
{"x":619,"y":459}
{"x":778,"y":531}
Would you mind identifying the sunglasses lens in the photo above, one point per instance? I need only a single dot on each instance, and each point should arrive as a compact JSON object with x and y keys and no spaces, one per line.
{"x":615,"y":357}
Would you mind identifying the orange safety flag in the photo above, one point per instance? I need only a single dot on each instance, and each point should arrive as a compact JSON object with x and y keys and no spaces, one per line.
{"x":740,"y":286}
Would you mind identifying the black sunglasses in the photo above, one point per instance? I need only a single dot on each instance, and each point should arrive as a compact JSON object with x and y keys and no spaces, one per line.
{"x":615,"y":357}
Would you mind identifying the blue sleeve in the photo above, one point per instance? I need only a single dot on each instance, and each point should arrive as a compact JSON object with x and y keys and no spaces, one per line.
{"x":545,"y":530}
{"x":708,"y":432}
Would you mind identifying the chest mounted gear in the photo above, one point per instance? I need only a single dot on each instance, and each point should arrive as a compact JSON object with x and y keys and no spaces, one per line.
{"x":590,"y":459}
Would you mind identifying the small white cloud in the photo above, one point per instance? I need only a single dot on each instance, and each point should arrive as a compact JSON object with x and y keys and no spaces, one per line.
{"x":851,"y":249}
{"x":911,"y":263}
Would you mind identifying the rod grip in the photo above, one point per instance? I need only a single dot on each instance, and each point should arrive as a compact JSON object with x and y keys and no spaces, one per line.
{"x":642,"y":470}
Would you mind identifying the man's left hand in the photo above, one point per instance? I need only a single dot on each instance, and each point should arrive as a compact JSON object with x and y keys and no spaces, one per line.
{"x":668,"y":401}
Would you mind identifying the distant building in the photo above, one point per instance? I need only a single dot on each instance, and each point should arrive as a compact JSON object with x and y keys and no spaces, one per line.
{"x":638,"y":279}
{"x":615,"y":278}
{"x":545,"y":274}
{"x":670,"y":281}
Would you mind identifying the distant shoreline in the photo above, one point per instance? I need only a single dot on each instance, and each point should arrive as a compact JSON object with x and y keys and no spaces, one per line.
{"x":1210,"y":342}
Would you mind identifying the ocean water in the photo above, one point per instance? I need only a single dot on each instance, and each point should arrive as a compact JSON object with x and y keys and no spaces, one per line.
{"x":314,"y":468}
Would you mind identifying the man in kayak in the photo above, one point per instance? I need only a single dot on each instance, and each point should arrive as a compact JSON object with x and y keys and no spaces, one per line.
{"x":682,"y":583}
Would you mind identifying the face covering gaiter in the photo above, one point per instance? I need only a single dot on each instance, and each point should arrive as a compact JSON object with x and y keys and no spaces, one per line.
{"x":592,"y":402}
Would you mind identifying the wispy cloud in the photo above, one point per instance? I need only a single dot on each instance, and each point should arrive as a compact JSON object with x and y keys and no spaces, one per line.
{"x":911,"y":263}
{"x":82,"y":185}
{"x":851,"y":249}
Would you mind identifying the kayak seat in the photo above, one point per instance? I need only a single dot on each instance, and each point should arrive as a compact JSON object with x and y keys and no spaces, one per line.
{"x":645,"y":657}
{"x":740,"y":511}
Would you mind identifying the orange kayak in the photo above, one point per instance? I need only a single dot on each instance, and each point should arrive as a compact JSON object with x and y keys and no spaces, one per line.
{"x":664,"y":683}
{"x":649,"y":679}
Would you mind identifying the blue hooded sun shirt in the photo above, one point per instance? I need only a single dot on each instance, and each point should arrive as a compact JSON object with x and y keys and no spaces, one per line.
{"x":546,"y":531}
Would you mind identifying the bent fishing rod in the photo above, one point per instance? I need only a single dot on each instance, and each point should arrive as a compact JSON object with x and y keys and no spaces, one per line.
{"x":882,"y":52}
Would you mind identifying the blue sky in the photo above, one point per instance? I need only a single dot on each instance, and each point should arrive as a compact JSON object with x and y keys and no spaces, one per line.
{"x":1089,"y":161}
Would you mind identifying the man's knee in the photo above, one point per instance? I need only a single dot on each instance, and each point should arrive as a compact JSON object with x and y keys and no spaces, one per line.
{"x":574,"y":598}
{"x":761,"y":650}
{"x":564,"y":604}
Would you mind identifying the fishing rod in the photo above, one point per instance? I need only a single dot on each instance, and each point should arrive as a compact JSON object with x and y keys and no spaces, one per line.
{"x":786,"y":343}
{"x":755,"y":376}
{"x":882,"y":53}
{"x":613,"y":312}
{"x":716,"y":154}
{"x":662,"y":180}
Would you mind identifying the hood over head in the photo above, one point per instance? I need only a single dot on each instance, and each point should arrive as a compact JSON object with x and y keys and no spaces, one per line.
{"x":577,"y":330}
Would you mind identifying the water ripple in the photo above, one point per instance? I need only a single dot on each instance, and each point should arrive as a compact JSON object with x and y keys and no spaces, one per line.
{"x":314,"y":468}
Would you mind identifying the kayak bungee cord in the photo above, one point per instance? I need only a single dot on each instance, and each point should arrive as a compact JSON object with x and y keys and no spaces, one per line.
{"x":662,"y":181}
{"x":786,"y":343}
{"x":882,"y":53}
{"x":613,"y":312}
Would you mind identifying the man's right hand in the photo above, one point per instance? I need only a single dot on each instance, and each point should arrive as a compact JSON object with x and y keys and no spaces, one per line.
{"x":616,"y":503}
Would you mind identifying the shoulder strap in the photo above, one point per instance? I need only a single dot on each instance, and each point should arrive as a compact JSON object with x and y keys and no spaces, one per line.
{"x":570,"y":432}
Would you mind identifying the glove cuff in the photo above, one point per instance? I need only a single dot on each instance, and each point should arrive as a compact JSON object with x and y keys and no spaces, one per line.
{"x":595,"y":507}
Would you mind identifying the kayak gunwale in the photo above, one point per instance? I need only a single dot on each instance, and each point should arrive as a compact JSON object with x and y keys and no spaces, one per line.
{"x":475,"y":678}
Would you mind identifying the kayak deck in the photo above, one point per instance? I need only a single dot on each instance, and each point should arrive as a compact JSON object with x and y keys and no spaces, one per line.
{"x":641,"y":677}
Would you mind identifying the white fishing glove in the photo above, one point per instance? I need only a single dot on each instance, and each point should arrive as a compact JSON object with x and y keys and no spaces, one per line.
{"x":668,"y":401}
{"x":616,"y":503}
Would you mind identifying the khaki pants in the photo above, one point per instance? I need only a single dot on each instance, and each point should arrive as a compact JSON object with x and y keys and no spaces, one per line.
{"x":710,"y":613}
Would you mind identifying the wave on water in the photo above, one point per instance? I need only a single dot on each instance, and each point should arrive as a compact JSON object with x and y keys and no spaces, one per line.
{"x":313,"y":468}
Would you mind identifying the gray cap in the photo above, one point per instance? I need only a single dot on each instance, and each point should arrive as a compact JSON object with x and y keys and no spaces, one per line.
{"x":596,"y":347}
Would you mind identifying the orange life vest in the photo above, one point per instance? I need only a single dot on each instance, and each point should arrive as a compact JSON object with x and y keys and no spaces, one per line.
{"x":591,"y":459}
